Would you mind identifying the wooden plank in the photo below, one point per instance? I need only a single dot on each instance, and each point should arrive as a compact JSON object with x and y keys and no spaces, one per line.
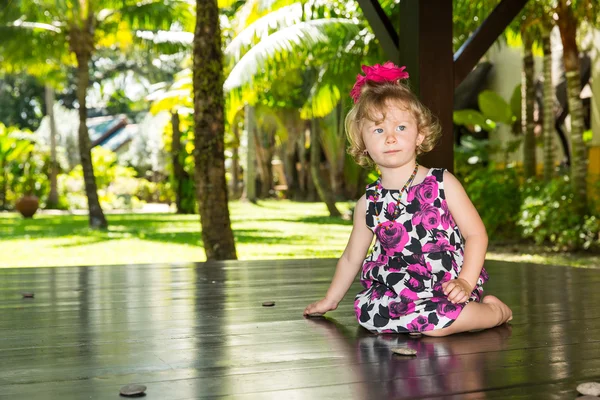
{"x":198,"y":331}
{"x":482,"y":39}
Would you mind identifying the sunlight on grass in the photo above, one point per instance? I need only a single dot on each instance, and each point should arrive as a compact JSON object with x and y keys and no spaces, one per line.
{"x":269,"y":230}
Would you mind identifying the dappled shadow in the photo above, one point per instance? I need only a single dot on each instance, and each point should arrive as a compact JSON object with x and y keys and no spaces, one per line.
{"x":182,"y":237}
{"x":321,"y":220}
{"x":167,"y":228}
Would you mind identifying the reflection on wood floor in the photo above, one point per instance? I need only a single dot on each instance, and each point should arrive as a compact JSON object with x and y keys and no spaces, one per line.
{"x":199,"y":331}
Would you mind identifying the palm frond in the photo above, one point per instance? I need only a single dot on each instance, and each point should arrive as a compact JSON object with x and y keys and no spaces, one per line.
{"x":259,"y":29}
{"x":155,"y":14}
{"x":283,"y":46}
{"x":36,"y":25}
{"x":322,"y":101}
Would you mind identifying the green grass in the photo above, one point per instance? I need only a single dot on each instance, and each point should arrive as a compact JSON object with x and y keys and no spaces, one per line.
{"x":269,"y":230}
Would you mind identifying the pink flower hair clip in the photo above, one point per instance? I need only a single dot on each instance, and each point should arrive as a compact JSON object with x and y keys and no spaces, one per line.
{"x":387,"y":72}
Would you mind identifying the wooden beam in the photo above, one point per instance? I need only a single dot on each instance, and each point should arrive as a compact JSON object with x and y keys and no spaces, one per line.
{"x":426,"y":49}
{"x":482,"y":39}
{"x":381,"y":26}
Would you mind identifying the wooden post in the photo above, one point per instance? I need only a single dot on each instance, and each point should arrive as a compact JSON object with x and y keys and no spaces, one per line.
{"x":425,"y":47}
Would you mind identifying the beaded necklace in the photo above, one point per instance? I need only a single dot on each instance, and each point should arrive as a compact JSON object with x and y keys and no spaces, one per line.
{"x":396,"y":213}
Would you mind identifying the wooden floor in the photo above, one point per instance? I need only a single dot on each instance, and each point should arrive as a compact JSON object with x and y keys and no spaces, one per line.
{"x":199,"y":331}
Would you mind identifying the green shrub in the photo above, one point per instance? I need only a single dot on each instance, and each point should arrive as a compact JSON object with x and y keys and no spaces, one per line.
{"x":117,"y":185}
{"x":547,"y":216}
{"x":496,"y":196}
{"x":494,"y":191}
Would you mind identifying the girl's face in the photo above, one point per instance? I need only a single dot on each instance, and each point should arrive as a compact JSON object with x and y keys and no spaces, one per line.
{"x":393,"y":141}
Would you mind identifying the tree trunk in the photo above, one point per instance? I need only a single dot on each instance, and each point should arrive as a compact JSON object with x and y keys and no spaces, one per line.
{"x":303,"y":162}
{"x":250,"y":184}
{"x":289,"y":165}
{"x":568,"y":33}
{"x":235,"y":162}
{"x":177,"y":167}
{"x":264,"y":157}
{"x":527,"y":104}
{"x":52,"y":202}
{"x":3,"y":188}
{"x":292,"y":126}
{"x":548,"y":126}
{"x":323,"y":189}
{"x":181,"y":178}
{"x":209,"y":152}
{"x":82,"y":44}
{"x":338,"y":168}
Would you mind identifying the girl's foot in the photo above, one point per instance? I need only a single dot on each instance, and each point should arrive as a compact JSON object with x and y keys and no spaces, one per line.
{"x":504,"y":309}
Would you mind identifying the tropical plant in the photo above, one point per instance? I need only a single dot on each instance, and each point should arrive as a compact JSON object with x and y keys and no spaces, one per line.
{"x":176,"y":99}
{"x":547,"y":216}
{"x":15,"y":151}
{"x":79,"y":28}
{"x":21,"y":100}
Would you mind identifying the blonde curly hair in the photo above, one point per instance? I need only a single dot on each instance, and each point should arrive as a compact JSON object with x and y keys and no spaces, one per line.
{"x":374,"y":97}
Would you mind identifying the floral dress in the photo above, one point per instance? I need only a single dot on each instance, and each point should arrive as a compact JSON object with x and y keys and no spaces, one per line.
{"x":418,"y":247}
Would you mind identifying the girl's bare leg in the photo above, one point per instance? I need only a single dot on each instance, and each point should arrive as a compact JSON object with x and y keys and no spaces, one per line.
{"x":489,"y":313}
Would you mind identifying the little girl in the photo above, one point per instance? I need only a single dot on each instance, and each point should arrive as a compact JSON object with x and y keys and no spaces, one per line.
{"x":425,"y":271}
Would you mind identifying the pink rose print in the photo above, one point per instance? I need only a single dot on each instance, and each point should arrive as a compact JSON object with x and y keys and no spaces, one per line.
{"x":440,"y":245}
{"x":367,"y":283}
{"x":392,"y":236}
{"x":383,"y":259}
{"x":420,"y":324}
{"x":431,"y":218}
{"x":369,"y":265}
{"x":391,"y":208}
{"x":420,"y":258}
{"x":408,"y":294}
{"x":412,"y":192}
{"x":438,"y":285}
{"x":428,"y":216}
{"x":428,"y":190}
{"x":447,"y":220}
{"x":446,"y":309}
{"x":400,"y":308}
{"x":415,"y":284}
{"x":375,"y":294}
{"x":420,"y":270}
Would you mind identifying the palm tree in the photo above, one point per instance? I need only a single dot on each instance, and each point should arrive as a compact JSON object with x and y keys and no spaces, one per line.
{"x":80,"y":27}
{"x":13,"y":149}
{"x":209,"y":128}
{"x":335,"y":46}
{"x":548,"y":103}
{"x":325,"y":193}
{"x":528,"y":102}
{"x":250,"y":178}
{"x":174,"y":98}
{"x":50,"y":73}
{"x":52,"y":201}
{"x":570,"y":13}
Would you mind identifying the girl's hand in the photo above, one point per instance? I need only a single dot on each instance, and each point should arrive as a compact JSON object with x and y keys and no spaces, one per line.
{"x":320,"y":307}
{"x":457,"y":290}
